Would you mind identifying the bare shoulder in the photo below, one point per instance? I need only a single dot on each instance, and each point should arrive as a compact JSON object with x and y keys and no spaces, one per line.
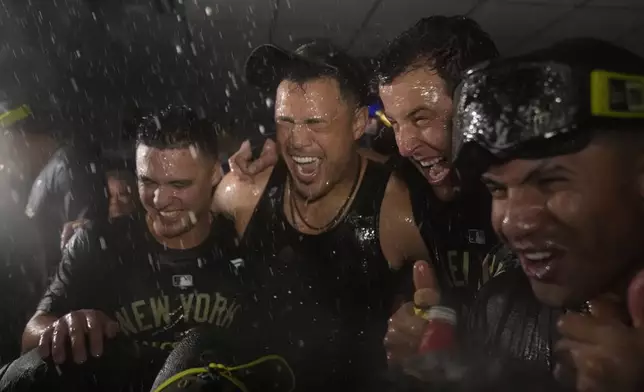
{"x":237,"y":198}
{"x":400,"y":237}
{"x":396,"y":205}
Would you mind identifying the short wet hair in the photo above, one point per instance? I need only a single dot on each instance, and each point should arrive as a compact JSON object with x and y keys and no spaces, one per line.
{"x":450,"y":45}
{"x":351,"y":89}
{"x":178,"y":127}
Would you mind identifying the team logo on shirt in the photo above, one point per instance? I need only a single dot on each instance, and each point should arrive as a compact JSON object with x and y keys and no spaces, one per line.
{"x":182,"y":281}
{"x":237,"y":263}
{"x":476,"y":236}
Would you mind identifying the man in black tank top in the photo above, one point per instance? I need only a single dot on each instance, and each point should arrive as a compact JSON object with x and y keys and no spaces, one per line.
{"x":416,"y":75}
{"x":324,"y":227}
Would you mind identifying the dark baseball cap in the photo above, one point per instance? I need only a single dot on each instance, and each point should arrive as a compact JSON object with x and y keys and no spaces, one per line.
{"x":268,"y":65}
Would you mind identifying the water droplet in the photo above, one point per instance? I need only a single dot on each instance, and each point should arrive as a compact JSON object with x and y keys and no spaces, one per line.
{"x":178,"y":49}
{"x":193,"y":151}
{"x":74,"y":85}
{"x":193,"y":217}
{"x":103,"y":243}
{"x":208,"y":11}
{"x":269,"y":103}
{"x":262,"y":129}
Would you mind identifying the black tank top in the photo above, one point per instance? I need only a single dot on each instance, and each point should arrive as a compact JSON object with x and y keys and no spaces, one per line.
{"x":458,"y":233}
{"x":328,"y":295}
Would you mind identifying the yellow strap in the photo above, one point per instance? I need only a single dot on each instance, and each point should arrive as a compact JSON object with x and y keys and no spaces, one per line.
{"x":422,"y":313}
{"x":15,"y":115}
{"x":225,"y":371}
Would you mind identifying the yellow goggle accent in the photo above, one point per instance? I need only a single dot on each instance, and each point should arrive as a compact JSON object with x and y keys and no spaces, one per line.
{"x":616,"y":95}
{"x":226,"y":372}
{"x":13,"y":116}
{"x":422,"y":313}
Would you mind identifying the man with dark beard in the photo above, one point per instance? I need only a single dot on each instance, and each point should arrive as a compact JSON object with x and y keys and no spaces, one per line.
{"x":324,"y":227}
{"x":154,"y":275}
{"x":558,"y":136}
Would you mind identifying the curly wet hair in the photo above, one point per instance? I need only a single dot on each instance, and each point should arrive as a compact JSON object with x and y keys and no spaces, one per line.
{"x":450,"y":45}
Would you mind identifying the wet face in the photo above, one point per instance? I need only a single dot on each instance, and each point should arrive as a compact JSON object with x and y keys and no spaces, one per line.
{"x":120,"y":196}
{"x":420,"y":108}
{"x":575,"y":221}
{"x":175,"y":186}
{"x":316,"y":132}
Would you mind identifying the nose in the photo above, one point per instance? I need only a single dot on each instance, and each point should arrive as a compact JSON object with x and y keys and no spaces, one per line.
{"x":524,"y":213}
{"x":300,"y":136}
{"x":162,"y":197}
{"x":407,"y":139}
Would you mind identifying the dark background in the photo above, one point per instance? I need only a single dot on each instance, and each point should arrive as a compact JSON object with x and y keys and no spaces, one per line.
{"x":88,"y":63}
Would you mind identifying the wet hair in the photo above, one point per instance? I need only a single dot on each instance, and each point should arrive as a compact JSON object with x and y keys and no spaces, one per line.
{"x":320,"y":58}
{"x":178,"y":127}
{"x":349,"y":90}
{"x":449,"y":45}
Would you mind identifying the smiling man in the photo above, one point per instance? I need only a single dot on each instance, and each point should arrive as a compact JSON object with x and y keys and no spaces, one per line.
{"x":416,"y":75}
{"x":325,"y":227}
{"x":156,"y":274}
{"x":557,"y":134}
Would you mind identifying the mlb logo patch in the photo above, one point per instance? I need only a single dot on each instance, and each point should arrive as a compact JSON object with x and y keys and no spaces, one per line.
{"x":476,"y":236}
{"x":182,"y":281}
{"x":237,"y":263}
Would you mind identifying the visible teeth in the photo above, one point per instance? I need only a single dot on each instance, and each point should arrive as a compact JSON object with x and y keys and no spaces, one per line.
{"x":430,"y":162}
{"x":543,"y":272}
{"x":538,"y":256}
{"x":305,"y":160}
{"x":169,"y":214}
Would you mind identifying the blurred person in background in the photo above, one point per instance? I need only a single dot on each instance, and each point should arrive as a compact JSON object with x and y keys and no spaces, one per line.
{"x":71,"y":186}
{"x":122,"y":192}
{"x":22,"y":259}
{"x":28,"y":119}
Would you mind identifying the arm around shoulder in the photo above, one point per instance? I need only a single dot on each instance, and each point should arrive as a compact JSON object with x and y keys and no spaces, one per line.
{"x":236,"y":198}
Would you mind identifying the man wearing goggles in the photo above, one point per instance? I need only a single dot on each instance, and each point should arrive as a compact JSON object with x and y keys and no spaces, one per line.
{"x":557,"y":135}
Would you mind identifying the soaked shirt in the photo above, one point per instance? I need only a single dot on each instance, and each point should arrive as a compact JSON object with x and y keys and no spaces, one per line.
{"x":507,"y":320}
{"x":507,"y":323}
{"x":458,"y":233}
{"x":155,"y":294}
{"x":328,"y":296}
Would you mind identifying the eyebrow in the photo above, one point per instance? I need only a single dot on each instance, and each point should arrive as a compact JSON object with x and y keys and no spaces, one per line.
{"x":416,"y":110}
{"x":311,"y":120}
{"x":285,"y":118}
{"x":545,"y":166}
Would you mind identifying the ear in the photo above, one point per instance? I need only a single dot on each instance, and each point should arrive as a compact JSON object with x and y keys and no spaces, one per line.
{"x":217,"y":174}
{"x":360,"y":120}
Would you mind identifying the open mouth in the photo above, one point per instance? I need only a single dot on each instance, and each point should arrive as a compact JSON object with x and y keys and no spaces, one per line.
{"x":539,"y":264}
{"x":306,"y":167}
{"x":170,"y":215}
{"x":436,"y":169}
